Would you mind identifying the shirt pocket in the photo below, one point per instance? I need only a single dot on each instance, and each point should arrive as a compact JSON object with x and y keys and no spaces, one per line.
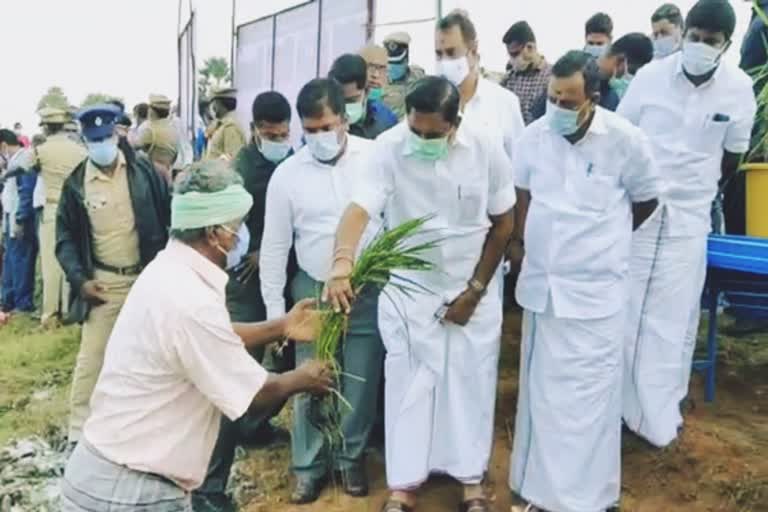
{"x":592,"y":190}
{"x":469,"y":203}
{"x":707,"y":135}
{"x":100,"y":212}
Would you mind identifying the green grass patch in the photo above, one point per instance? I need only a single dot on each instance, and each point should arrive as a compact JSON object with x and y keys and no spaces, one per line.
{"x":35,"y":372}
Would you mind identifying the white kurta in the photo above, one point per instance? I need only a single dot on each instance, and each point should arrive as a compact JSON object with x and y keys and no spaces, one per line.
{"x":440,"y":379}
{"x":574,"y":288}
{"x":689,"y":128}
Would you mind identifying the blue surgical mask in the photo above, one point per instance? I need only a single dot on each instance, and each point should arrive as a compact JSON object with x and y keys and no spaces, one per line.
{"x":596,"y":50}
{"x":324,"y":146}
{"x":273,"y":151}
{"x":397,"y":71}
{"x":700,"y":58}
{"x":665,"y":46}
{"x":561,"y":120}
{"x":429,"y":150}
{"x":102,"y":153}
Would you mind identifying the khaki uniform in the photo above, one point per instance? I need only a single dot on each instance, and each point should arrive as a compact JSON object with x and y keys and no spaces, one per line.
{"x":394,"y":94}
{"x":159,"y":134}
{"x":56,"y":159}
{"x":227,"y":139}
{"x":115,"y":243}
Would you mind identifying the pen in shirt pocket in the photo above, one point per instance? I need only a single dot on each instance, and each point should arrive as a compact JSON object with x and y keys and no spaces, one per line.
{"x":589,"y":169}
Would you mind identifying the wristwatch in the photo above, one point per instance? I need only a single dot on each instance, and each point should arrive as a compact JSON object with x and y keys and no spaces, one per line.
{"x":476,"y":286}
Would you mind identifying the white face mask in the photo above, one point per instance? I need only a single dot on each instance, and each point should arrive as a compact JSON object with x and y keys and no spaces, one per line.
{"x":237,"y":253}
{"x":454,"y":70}
{"x":273,"y":151}
{"x":324,"y":146}
{"x":665,"y":46}
{"x":700,"y":58}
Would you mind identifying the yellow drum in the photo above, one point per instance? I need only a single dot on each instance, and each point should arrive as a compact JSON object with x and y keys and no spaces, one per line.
{"x":757,"y":199}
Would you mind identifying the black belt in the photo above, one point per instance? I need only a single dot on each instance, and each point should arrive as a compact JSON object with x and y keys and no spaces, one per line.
{"x":133,"y":270}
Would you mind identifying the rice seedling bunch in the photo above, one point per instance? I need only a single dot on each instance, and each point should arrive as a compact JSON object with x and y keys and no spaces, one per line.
{"x":376,"y":267}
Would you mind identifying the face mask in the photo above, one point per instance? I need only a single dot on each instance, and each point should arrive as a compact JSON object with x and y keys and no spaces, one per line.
{"x":355,"y":112}
{"x":273,"y":151}
{"x":324,"y":146}
{"x":620,"y":85}
{"x":429,"y":150}
{"x":236,"y":254}
{"x":375,"y":94}
{"x":102,"y":153}
{"x":454,"y":70}
{"x":665,"y":46}
{"x":561,"y":120}
{"x":596,"y":50}
{"x":700,"y":58}
{"x":397,"y":71}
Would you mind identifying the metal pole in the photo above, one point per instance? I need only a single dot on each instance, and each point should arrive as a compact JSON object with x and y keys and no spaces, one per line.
{"x":319,"y":35}
{"x":439,"y":9}
{"x":232,"y":42}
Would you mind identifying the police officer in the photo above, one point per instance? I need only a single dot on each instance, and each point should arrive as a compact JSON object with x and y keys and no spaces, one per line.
{"x":401,"y":74}
{"x":158,"y":134}
{"x":112,"y":220}
{"x":227,"y":137}
{"x":56,"y":158}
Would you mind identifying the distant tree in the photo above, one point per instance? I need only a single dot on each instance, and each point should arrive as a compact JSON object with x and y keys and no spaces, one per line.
{"x":54,"y":97}
{"x":214,"y":74}
{"x":95,"y":98}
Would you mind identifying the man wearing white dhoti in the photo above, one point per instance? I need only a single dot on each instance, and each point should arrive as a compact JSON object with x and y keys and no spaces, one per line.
{"x":585,"y":179}
{"x":440,"y":369}
{"x":698,"y":112}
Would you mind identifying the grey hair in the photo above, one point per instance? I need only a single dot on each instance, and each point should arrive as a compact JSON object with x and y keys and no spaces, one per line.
{"x":207,"y":176}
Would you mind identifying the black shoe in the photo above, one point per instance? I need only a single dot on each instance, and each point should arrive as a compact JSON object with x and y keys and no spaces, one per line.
{"x":355,"y":482}
{"x":218,"y":502}
{"x":307,"y":490}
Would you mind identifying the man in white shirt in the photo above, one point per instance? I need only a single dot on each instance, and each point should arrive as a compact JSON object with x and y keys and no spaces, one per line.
{"x":491,"y":107}
{"x":442,"y":347}
{"x":585,"y":179}
{"x":698,"y":112}
{"x":305,"y":200}
{"x":175,"y":362}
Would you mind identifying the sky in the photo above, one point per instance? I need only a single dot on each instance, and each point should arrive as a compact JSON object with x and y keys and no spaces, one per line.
{"x":128,"y":48}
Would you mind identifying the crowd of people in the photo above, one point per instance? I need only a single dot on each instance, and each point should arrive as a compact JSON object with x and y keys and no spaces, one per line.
{"x":584,"y":188}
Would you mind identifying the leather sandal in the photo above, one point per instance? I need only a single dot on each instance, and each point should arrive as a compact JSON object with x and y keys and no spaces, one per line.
{"x":475,"y":505}
{"x":396,"y":506}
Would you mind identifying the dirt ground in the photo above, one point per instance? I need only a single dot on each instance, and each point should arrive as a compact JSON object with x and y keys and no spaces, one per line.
{"x":720,"y":463}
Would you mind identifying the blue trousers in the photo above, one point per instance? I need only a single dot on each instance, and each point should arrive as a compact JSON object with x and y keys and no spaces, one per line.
{"x":19,"y":269}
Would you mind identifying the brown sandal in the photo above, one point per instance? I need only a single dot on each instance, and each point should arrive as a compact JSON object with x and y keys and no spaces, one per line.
{"x":475,"y":505}
{"x":396,"y":506}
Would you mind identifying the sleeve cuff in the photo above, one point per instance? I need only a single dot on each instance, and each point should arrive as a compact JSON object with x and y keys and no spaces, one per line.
{"x":249,"y":391}
{"x":738,"y":147}
{"x":275,"y":310}
{"x":503,"y":200}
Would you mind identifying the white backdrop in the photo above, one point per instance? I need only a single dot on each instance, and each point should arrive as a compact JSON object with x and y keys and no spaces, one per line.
{"x":253,"y":68}
{"x":187,"y":99}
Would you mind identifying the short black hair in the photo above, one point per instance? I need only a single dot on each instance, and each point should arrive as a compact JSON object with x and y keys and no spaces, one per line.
{"x":141,"y":110}
{"x":599,"y":23}
{"x":271,"y":107}
{"x":712,"y":16}
{"x":636,"y":47}
{"x":229,"y":103}
{"x":9,"y":137}
{"x":669,"y":12}
{"x":577,"y":61}
{"x":319,"y":93}
{"x":124,"y":120}
{"x":461,"y":20}
{"x":434,"y":94}
{"x":520,"y":33}
{"x":350,"y":68}
{"x":160,"y":112}
{"x":17,"y":124}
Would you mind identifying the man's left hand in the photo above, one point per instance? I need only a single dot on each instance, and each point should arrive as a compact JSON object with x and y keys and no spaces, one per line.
{"x":303,"y":321}
{"x":461,"y":310}
{"x":250,"y":267}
